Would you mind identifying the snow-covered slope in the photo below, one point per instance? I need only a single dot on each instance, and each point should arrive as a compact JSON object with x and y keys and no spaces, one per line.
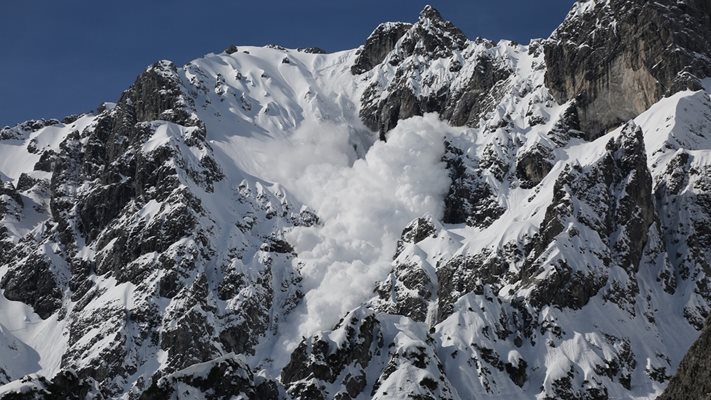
{"x":420,"y":217}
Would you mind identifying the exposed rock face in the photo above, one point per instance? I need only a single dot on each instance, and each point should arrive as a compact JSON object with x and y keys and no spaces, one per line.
{"x":683,"y":197}
{"x":534,"y":165}
{"x":65,"y":385}
{"x":26,"y":127}
{"x":616,"y":58}
{"x":407,"y":291}
{"x":693,"y":378}
{"x":313,"y":50}
{"x":30,"y":278}
{"x":470,"y":274}
{"x":319,"y":363}
{"x":323,"y":358}
{"x":415,"y":232}
{"x":32,"y":282}
{"x":222,"y":378}
{"x":130,"y":186}
{"x":379,"y":44}
{"x":612,"y":200}
{"x":470,"y":199}
{"x":10,"y":202}
{"x":404,"y":54}
{"x":411,"y":287}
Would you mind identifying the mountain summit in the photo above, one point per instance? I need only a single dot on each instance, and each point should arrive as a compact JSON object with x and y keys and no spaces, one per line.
{"x":425,"y":216}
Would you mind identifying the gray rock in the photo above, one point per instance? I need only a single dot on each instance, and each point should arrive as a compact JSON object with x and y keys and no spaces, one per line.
{"x":619,"y":207}
{"x":223,"y":378}
{"x":534,"y":165}
{"x":470,"y":199}
{"x":466,"y":274}
{"x":415,"y":232}
{"x":31,"y":281}
{"x":623,"y":56}
{"x":312,"y":50}
{"x":431,"y":38}
{"x":65,"y":385}
{"x":315,"y":360}
{"x":693,"y":377}
{"x":407,"y":291}
{"x":379,"y":44}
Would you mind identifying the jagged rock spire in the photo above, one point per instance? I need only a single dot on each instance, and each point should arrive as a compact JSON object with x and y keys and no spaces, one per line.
{"x":431,"y":13}
{"x":430,"y":35}
{"x":379,"y":44}
{"x":434,"y":35}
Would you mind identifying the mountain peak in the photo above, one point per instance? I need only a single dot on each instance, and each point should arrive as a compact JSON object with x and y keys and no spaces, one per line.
{"x":431,"y":35}
{"x":430,"y":13}
{"x":431,"y":20}
{"x":233,"y":226}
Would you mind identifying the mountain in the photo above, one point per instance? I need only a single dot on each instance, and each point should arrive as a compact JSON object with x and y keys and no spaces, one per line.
{"x":426,"y":217}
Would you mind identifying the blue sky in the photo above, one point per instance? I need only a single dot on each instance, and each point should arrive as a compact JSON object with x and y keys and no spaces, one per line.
{"x":64,"y":57}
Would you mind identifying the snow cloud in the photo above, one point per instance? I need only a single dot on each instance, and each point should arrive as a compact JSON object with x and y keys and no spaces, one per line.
{"x":363,"y":205}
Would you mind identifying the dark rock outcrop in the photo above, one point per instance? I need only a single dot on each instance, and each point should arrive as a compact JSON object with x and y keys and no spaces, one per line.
{"x":470,"y":199}
{"x":612,"y":198}
{"x":466,"y":274}
{"x":534,"y":165}
{"x":415,"y":232}
{"x":465,"y":106}
{"x":693,"y":377}
{"x":431,"y":36}
{"x":66,"y":385}
{"x":430,"y":39}
{"x":318,"y":359}
{"x":32,"y":282}
{"x":312,"y":50}
{"x":616,"y":58}
{"x":407,"y":291}
{"x":222,"y":378}
{"x":378,"y":45}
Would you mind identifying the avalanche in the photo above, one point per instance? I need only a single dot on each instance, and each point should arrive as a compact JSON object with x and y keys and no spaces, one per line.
{"x":425,"y":216}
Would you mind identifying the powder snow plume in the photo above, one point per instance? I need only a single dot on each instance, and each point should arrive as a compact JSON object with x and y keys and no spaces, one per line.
{"x":363,"y":207}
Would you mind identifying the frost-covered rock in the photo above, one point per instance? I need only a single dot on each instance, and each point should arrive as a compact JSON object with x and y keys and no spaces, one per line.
{"x":428,"y":67}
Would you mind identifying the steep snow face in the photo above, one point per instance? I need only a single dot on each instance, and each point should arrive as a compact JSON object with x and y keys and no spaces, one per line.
{"x":18,"y":359}
{"x":239,"y":216}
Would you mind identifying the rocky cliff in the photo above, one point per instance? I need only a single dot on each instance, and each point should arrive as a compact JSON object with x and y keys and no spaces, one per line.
{"x":692,"y":378}
{"x":616,"y":58}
